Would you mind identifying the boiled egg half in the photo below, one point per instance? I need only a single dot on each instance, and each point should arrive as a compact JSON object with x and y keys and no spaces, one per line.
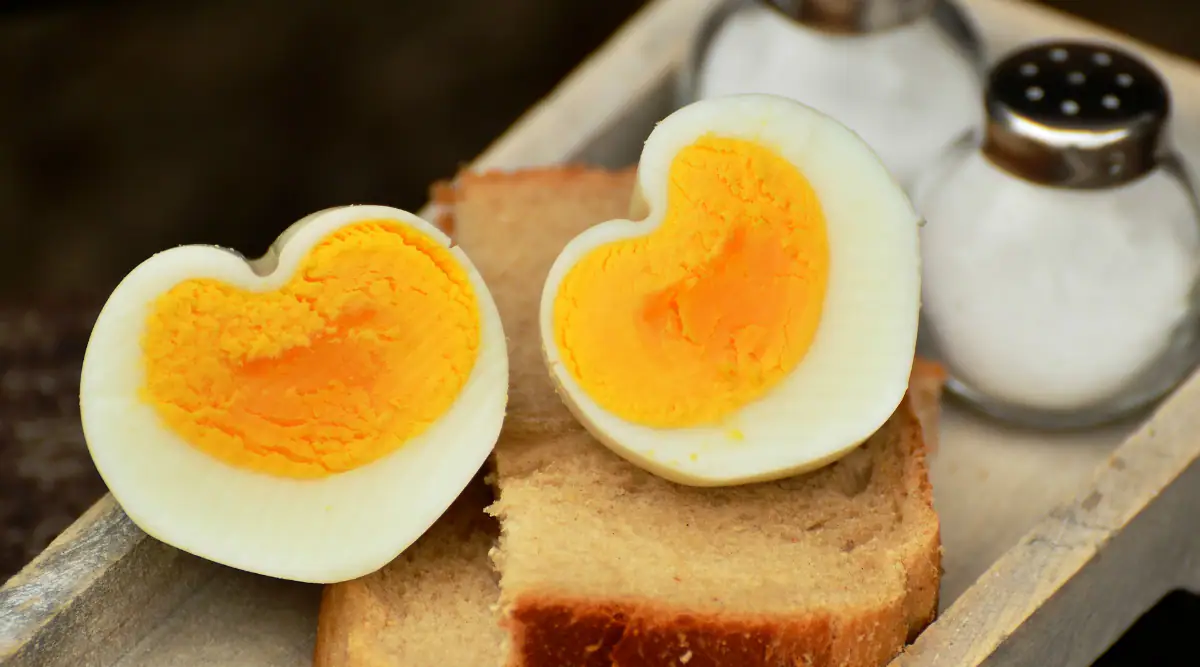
{"x":760,"y":319}
{"x":306,"y":415}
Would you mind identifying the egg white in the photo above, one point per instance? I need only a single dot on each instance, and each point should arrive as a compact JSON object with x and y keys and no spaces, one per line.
{"x":321,"y":530}
{"x":856,"y":371}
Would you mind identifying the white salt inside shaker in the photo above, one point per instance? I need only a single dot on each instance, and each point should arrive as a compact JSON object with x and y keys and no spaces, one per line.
{"x":1062,"y":246}
{"x":904,"y":77}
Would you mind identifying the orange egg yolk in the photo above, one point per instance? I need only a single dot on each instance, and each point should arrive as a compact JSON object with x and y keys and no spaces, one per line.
{"x":366,"y":345}
{"x":715,"y":306}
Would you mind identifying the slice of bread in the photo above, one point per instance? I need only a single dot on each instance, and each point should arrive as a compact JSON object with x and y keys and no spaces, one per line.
{"x":603,"y":564}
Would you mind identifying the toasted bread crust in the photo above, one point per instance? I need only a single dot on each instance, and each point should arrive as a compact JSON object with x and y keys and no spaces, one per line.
{"x":923,"y":565}
{"x":631,"y":635}
{"x":925,"y":391}
{"x":334,"y":620}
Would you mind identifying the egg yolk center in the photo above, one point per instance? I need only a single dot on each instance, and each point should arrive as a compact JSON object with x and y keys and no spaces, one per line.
{"x":685,"y":325}
{"x":366,"y":345}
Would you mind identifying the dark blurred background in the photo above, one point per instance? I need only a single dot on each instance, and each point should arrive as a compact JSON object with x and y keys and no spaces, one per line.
{"x":128,"y":127}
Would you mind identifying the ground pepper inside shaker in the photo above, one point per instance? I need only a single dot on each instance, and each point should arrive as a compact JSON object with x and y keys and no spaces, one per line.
{"x":1061,"y":248}
{"x":903,"y":74}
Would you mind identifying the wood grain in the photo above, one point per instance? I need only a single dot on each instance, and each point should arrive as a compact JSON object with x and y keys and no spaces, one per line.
{"x":92,"y":593}
{"x":1067,"y":541}
{"x":1087,"y":569}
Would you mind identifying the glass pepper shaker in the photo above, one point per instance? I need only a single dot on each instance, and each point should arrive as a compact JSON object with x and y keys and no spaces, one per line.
{"x":904,"y":74}
{"x":1061,"y":247}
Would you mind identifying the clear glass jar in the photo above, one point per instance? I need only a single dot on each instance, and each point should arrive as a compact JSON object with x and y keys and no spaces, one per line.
{"x":904,"y":74}
{"x":1061,"y":247}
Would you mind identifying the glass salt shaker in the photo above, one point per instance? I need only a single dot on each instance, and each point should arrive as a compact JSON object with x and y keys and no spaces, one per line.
{"x":903,"y":74}
{"x":1061,"y":247}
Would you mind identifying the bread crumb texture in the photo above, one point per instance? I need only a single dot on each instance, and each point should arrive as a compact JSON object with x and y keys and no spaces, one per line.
{"x":604,"y":564}
{"x":724,"y":296}
{"x":368,"y":344}
{"x":431,"y":607}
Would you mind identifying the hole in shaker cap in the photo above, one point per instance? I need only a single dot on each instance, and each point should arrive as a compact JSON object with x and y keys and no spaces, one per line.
{"x":1029,"y":69}
{"x":1033,"y":93}
{"x":1070,"y":107}
{"x":1058,"y":54}
{"x":1111,"y":102}
{"x":1124,"y":80}
{"x":1076,"y":78}
{"x":1102,"y":59}
{"x":1116,"y":163}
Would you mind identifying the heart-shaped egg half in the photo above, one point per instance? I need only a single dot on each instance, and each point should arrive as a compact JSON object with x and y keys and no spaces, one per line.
{"x":761,"y":320}
{"x":306,"y":415}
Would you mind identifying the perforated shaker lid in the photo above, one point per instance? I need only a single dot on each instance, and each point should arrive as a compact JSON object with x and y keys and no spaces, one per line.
{"x":854,"y":16}
{"x":1075,"y":115}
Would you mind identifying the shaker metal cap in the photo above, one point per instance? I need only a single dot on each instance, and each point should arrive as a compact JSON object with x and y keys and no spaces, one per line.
{"x":854,"y":16}
{"x":1075,"y":115}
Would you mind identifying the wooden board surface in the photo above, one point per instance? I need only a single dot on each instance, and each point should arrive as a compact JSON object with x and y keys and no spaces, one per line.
{"x":103,"y":594}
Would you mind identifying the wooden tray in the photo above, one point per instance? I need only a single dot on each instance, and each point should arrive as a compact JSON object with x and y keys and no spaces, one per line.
{"x":1053,"y":544}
